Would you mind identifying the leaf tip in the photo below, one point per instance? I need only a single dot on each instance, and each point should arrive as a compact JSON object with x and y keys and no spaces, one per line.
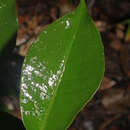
{"x":83,"y":3}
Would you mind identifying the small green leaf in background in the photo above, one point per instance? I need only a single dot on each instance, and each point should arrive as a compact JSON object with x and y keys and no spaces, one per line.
{"x":61,"y":72}
{"x":127,"y":37}
{"x":8,"y":23}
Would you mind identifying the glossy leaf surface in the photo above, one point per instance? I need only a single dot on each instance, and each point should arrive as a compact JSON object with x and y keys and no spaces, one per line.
{"x":8,"y":23}
{"x":61,"y":71}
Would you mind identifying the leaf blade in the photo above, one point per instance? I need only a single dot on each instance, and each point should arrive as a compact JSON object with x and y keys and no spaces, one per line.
{"x":63,"y":64}
{"x":8,"y":21}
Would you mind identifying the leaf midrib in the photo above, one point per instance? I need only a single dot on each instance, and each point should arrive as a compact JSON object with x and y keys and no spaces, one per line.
{"x":54,"y":96}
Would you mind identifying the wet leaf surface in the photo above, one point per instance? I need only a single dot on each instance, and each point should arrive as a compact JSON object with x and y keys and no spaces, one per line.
{"x":61,"y":71}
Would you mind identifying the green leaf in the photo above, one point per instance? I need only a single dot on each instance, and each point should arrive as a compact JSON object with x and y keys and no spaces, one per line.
{"x":127,"y":36}
{"x":61,"y":72}
{"x":8,"y":23}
